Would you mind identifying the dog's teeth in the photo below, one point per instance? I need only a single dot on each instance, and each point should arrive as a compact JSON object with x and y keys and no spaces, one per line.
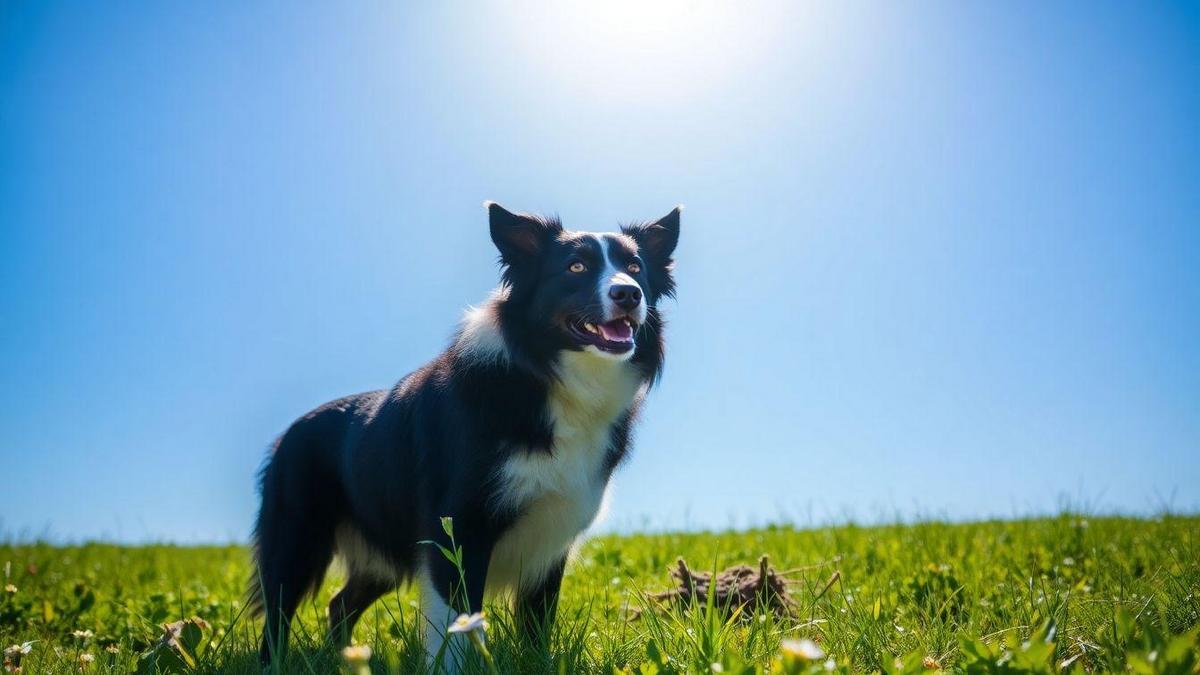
{"x":591,"y":328}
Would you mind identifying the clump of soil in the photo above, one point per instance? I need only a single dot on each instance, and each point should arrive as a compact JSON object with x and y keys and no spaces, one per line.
{"x":754,"y":590}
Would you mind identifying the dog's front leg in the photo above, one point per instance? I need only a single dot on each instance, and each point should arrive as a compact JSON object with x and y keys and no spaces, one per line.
{"x":446,"y":593}
{"x":537,"y":605}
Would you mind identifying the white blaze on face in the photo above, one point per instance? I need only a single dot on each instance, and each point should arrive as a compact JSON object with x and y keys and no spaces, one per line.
{"x":613,"y":325}
{"x":614,"y":274}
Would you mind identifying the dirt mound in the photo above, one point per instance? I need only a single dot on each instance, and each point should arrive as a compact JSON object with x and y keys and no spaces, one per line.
{"x":754,"y":589}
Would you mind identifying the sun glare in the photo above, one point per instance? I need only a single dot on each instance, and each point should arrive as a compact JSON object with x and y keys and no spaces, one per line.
{"x":641,"y":50}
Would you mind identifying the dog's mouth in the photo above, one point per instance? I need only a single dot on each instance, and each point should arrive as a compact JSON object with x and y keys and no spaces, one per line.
{"x":615,"y":337}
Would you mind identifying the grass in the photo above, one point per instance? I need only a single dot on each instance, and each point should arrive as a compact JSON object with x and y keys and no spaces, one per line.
{"x":1044,"y":595}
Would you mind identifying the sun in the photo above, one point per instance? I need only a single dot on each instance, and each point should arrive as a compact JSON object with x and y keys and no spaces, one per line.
{"x":637,"y":51}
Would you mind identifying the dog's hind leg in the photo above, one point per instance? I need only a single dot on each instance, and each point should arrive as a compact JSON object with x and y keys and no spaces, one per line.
{"x":292,"y":564}
{"x":348,"y":605}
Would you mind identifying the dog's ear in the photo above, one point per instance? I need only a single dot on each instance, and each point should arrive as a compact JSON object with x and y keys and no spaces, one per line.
{"x":656,"y":243}
{"x":519,"y":236}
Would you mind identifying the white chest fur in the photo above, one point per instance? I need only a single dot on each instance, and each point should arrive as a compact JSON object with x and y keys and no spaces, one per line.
{"x":560,"y":493}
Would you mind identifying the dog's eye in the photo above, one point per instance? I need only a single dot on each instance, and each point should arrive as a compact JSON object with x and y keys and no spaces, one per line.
{"x":577,"y":267}
{"x":634,"y":268}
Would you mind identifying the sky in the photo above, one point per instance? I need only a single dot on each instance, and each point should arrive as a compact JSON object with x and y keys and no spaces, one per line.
{"x":938,"y":259}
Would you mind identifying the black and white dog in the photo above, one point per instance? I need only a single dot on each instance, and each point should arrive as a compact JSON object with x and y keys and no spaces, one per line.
{"x":513,"y":431}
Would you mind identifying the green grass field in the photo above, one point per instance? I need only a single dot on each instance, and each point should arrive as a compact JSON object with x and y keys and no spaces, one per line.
{"x":1048,"y":595}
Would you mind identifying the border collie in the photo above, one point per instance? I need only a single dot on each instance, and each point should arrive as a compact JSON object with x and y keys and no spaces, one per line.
{"x":513,"y":432}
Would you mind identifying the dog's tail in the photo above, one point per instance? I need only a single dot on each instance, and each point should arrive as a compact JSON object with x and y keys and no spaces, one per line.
{"x":253,"y":597}
{"x":293,"y":540}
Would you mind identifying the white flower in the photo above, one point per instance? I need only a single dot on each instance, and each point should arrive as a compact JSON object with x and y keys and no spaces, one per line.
{"x":475,"y":627}
{"x":82,"y":634}
{"x":86,"y":659}
{"x":469,"y":624}
{"x":357,"y":655}
{"x":13,"y":655}
{"x":10,"y":589}
{"x":802,"y":649}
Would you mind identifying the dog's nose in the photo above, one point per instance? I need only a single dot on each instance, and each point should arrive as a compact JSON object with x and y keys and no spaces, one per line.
{"x":626,"y":296}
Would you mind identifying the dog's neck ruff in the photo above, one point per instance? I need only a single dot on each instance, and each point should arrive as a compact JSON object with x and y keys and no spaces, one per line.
{"x":591,"y":391}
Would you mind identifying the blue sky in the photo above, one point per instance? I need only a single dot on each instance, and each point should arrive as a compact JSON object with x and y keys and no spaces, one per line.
{"x":938,"y":259}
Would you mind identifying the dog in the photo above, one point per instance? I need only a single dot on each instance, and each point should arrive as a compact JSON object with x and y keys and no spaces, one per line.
{"x":513,"y":432}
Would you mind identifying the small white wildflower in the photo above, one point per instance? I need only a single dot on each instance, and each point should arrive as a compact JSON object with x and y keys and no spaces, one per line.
{"x":802,"y":649}
{"x":830,"y":665}
{"x":475,"y":626}
{"x":358,"y":659}
{"x":82,"y":634}
{"x":86,"y":659}
{"x":113,"y":649}
{"x":10,"y":589}
{"x":13,"y":656}
{"x":469,"y":623}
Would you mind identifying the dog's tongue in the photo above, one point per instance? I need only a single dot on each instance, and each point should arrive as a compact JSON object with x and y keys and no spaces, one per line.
{"x":616,"y":331}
